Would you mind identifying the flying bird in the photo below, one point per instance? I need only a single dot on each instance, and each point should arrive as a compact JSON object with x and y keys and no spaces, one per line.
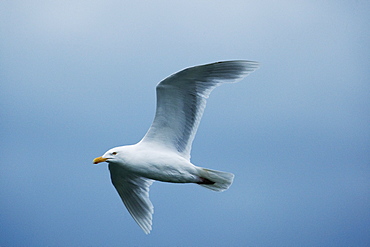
{"x":164,"y":152}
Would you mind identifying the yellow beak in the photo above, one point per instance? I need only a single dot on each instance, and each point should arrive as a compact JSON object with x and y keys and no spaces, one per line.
{"x":99,"y":159}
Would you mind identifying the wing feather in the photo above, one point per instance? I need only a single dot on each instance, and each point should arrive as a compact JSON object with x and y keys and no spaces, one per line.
{"x":181,"y":99}
{"x":134,"y":192}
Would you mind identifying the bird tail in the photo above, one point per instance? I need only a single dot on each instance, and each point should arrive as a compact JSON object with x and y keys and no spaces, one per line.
{"x":215,"y":180}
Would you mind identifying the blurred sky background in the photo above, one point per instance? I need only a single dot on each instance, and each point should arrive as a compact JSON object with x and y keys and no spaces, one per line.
{"x":79,"y":77}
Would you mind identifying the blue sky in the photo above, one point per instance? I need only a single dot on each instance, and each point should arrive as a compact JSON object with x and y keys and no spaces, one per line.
{"x":78,"y":77}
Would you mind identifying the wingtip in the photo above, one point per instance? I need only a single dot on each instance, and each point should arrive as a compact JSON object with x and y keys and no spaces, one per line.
{"x":243,"y":61}
{"x":251,"y":64}
{"x":146,"y":231}
{"x":247,"y":66}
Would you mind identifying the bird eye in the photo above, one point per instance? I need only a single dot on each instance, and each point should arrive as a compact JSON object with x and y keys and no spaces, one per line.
{"x":114,"y":153}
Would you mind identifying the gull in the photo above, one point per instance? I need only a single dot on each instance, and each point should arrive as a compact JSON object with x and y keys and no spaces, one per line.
{"x":164,"y":152}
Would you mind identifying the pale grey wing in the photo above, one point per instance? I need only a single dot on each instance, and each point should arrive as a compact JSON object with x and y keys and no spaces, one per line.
{"x":181,"y":99}
{"x":134,"y":192}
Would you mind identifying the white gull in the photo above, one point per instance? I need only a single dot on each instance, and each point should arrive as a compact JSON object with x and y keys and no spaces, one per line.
{"x":164,"y":152}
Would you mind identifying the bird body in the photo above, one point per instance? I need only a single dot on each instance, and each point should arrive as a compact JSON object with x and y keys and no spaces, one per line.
{"x":164,"y":152}
{"x":154,"y":163}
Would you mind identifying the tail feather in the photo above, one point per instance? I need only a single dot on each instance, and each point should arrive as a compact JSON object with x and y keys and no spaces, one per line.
{"x":216,"y":180}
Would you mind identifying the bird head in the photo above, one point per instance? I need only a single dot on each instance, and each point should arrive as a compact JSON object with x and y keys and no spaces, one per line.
{"x":110,"y":156}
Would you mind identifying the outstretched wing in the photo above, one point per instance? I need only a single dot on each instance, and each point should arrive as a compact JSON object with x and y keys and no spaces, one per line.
{"x":181,"y":99}
{"x":134,"y":192}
